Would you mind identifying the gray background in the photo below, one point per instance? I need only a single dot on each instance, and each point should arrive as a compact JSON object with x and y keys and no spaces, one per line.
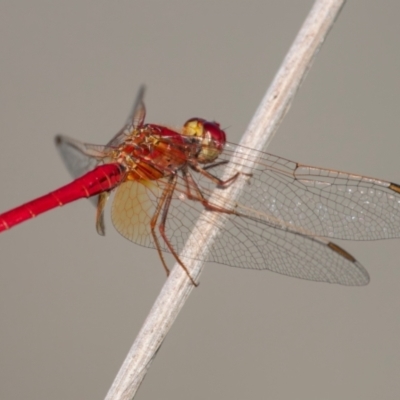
{"x":71,"y":302}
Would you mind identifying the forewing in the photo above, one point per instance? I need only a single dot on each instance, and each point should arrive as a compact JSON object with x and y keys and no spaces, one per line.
{"x":81,"y":157}
{"x":315,"y":201}
{"x":134,"y":121}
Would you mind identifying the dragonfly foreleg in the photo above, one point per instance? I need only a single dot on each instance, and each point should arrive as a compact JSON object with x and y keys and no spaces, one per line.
{"x":217,"y":164}
{"x":222,"y":184}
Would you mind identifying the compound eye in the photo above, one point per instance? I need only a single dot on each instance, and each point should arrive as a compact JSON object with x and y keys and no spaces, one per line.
{"x":213,"y":130}
{"x":194,"y":127}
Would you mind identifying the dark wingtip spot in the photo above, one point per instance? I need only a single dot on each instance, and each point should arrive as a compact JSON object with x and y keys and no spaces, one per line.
{"x":341,"y":251}
{"x":394,"y":187}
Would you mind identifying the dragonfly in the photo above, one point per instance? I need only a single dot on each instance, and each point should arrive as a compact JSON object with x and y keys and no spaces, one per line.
{"x":164,"y":178}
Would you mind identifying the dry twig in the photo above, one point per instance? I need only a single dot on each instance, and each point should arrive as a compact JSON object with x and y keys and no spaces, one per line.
{"x":259,"y":133}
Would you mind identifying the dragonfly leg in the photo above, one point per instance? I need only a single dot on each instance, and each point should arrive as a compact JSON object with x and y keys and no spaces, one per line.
{"x":222,"y":184}
{"x":153,"y":224}
{"x":101,"y":203}
{"x":163,"y":205}
{"x":198,"y":196}
{"x":217,"y":164}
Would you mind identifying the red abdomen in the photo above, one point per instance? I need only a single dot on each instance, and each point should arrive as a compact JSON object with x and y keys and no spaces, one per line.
{"x":102,"y":178}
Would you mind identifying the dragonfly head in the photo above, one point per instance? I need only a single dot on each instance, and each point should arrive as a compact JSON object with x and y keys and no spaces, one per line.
{"x":209,"y":135}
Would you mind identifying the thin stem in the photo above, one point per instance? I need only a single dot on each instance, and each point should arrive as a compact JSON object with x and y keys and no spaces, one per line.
{"x":259,"y":133}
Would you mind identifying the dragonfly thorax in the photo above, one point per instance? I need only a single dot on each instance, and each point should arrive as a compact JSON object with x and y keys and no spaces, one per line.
{"x":152,"y":152}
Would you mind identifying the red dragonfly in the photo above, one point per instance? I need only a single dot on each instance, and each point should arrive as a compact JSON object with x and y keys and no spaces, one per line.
{"x":164,"y":178}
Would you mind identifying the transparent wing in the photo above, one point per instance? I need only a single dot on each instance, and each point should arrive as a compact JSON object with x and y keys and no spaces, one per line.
{"x":251,"y":244}
{"x":243,"y":242}
{"x":314,"y":201}
{"x":79,"y":157}
{"x":133,"y":207}
{"x":134,"y":121}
